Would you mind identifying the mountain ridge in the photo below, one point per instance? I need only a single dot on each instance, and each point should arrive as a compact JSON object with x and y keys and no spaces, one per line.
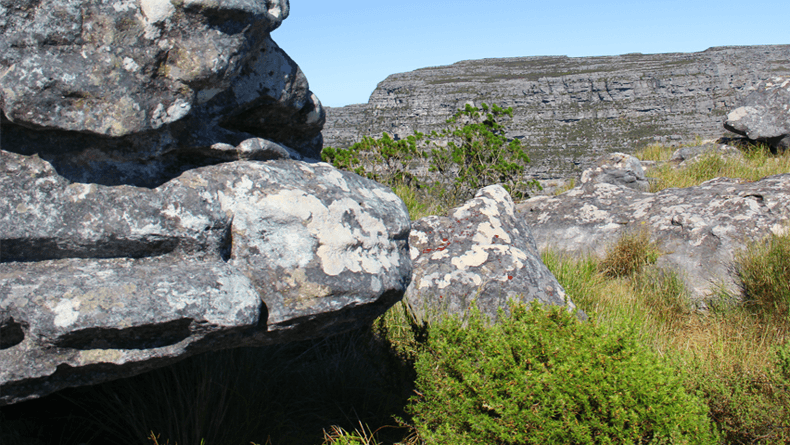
{"x":570,"y":110}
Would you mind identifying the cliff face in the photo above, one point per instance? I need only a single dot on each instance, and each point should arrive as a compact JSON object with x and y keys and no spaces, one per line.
{"x":567,"y":111}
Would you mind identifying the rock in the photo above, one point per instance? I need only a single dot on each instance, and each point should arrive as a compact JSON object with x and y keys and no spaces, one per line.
{"x":108,"y":86}
{"x":686,"y":155}
{"x":480,"y":252}
{"x":568,"y":111}
{"x":698,"y":228}
{"x":764,"y":115}
{"x":618,"y":169}
{"x":98,"y":282}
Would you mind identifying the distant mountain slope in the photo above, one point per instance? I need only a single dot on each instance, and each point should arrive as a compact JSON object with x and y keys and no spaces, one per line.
{"x":569,"y":110}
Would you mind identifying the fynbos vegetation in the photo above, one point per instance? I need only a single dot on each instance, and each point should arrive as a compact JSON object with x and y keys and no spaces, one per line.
{"x":447,"y":167}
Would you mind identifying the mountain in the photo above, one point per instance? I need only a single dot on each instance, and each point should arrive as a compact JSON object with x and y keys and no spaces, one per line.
{"x":570,"y":110}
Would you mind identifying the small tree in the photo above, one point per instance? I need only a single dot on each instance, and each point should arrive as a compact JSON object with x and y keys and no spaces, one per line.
{"x":471,"y":153}
{"x":478,"y":153}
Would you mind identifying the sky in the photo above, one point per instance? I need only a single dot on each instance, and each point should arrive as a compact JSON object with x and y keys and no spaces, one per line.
{"x":346,"y":47}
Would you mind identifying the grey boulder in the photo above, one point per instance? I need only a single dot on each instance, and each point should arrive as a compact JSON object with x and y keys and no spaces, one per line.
{"x":481,"y":253}
{"x":764,"y":115}
{"x":698,"y":228}
{"x":99,"y":282}
{"x":618,"y":169}
{"x":117,"y":84}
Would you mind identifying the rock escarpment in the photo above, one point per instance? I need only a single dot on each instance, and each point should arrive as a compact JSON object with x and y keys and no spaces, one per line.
{"x":481,"y":253}
{"x":152,"y":204}
{"x":567,"y":111}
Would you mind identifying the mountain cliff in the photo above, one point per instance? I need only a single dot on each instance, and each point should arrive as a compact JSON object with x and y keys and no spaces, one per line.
{"x":570,"y":110}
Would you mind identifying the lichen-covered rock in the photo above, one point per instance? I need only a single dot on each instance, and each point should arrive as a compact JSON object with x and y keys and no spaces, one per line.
{"x":686,"y":155}
{"x":482,"y":253}
{"x":100,"y":282}
{"x":764,"y":115}
{"x":618,"y":169}
{"x":698,"y":228}
{"x":161,"y":78}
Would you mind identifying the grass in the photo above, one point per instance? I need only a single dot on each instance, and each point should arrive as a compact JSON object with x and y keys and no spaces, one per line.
{"x":764,"y":270}
{"x":633,"y":251}
{"x":420,"y":203}
{"x":756,"y":163}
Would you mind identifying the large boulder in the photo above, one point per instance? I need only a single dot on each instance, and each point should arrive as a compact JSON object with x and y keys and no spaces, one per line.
{"x":100,"y":282}
{"x":619,"y":169}
{"x":698,"y":228}
{"x":764,"y":115}
{"x":119,"y":84}
{"x":481,"y":253}
{"x":160,"y":194}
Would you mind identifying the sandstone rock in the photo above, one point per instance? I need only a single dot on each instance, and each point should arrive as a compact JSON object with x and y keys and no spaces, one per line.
{"x":98,"y":282}
{"x":568,"y":111}
{"x":161,"y":79}
{"x":480,"y":252}
{"x":698,"y":228}
{"x":685,"y":155}
{"x":764,"y":115}
{"x":618,"y":169}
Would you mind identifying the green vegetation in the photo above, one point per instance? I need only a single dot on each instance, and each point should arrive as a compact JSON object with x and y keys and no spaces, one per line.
{"x":764,"y":269}
{"x":543,"y":377}
{"x":471,"y":153}
{"x":735,"y":355}
{"x":755,"y":163}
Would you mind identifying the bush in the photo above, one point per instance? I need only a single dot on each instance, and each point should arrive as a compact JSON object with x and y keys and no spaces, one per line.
{"x":444,"y":168}
{"x":540,"y":376}
{"x":750,"y":407}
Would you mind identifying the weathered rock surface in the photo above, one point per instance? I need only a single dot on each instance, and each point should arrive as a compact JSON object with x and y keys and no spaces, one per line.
{"x":100,"y":282}
{"x":568,"y":111}
{"x":618,"y":169}
{"x":685,"y":155}
{"x":481,"y":252}
{"x":764,"y":115}
{"x":106,"y":86}
{"x":699,"y":228}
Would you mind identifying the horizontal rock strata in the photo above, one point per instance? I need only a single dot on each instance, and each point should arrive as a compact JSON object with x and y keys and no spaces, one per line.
{"x":567,"y":111}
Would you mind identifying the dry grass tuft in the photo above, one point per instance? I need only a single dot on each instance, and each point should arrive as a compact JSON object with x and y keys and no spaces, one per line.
{"x":632,"y":251}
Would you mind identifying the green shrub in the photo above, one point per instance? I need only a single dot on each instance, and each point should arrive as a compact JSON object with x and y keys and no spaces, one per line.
{"x":750,"y":407}
{"x":479,"y":154}
{"x":471,"y":153}
{"x":542,"y":377}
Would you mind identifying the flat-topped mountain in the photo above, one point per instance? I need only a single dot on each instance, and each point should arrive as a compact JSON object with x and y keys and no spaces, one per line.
{"x":569,"y":110}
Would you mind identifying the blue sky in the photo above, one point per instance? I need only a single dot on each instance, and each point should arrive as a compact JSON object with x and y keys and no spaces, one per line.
{"x":346,"y":47}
